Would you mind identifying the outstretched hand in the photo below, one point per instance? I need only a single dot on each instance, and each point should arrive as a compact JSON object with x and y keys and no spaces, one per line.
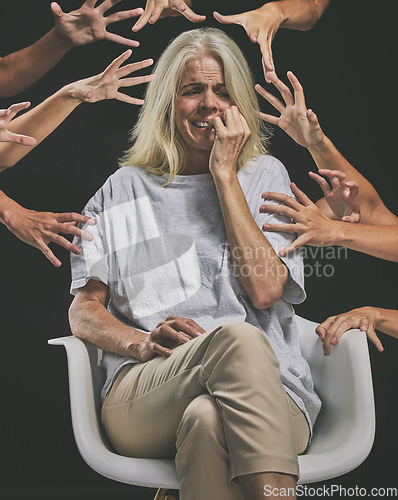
{"x":158,"y":9}
{"x":106,"y":85}
{"x":295,"y":119}
{"x":333,"y":328}
{"x":6,"y":115}
{"x":261,"y":26}
{"x":343,"y":197}
{"x":38,"y":229}
{"x":88,"y":24}
{"x":311,"y":225}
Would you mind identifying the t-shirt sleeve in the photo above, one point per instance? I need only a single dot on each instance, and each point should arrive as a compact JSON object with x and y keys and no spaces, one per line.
{"x":279,"y":182}
{"x":92,"y":262}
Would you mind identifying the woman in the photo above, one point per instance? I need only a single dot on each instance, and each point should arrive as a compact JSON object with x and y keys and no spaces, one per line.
{"x":187,"y":295}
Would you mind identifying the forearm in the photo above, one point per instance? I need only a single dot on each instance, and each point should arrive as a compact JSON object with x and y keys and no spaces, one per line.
{"x":378,"y":241}
{"x":300,"y":14}
{"x":20,"y":70}
{"x":257,"y":266}
{"x":91,"y":321}
{"x":38,"y":123}
{"x":387,"y":321}
{"x":6,"y":206}
{"x":326,"y":156}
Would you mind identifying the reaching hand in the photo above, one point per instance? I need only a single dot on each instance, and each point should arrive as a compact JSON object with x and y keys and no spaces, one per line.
{"x":168,"y":334}
{"x":88,"y":24}
{"x":38,"y":229}
{"x":106,"y":85}
{"x":261,"y":26}
{"x":311,"y":225}
{"x":6,"y":115}
{"x":157,"y":9}
{"x":295,"y":119}
{"x":332,"y":329}
{"x":343,"y":197}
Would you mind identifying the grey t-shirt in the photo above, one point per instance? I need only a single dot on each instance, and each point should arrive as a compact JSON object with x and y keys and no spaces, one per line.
{"x":164,"y":251}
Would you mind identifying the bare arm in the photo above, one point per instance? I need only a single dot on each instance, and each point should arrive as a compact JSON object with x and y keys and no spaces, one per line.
{"x":44,"y":118}
{"x":20,"y":70}
{"x":257,"y":266}
{"x":90,"y":320}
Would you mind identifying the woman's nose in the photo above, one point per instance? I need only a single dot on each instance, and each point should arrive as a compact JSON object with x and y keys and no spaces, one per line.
{"x":209,"y":100}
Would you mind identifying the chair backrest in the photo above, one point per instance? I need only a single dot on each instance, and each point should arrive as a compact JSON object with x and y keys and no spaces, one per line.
{"x":343,"y":433}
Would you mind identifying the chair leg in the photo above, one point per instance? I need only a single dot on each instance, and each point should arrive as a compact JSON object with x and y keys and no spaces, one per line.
{"x":163,"y":494}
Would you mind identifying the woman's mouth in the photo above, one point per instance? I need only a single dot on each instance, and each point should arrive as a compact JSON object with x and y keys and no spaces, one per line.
{"x":202,"y":124}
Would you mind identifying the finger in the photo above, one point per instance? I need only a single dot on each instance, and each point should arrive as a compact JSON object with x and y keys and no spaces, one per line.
{"x":192,"y":16}
{"x":129,"y":100}
{"x":267,"y":59}
{"x":48,"y":253}
{"x":199,"y":330}
{"x":156,"y":12}
{"x":105,"y":6}
{"x":135,"y":80}
{"x":324,"y":327}
{"x":235,"y":19}
{"x":280,"y":209}
{"x":284,"y":228}
{"x":24,"y":140}
{"x":374,"y":338}
{"x":63,"y":242}
{"x":112,"y":37}
{"x":67,"y":228}
{"x":131,"y":68}
{"x":120,"y":16}
{"x":269,"y":118}
{"x":283,"y":89}
{"x":298,"y":89}
{"x":167,"y":332}
{"x":321,"y":181}
{"x":300,"y":195}
{"x":16,"y":108}
{"x":299,"y":242}
{"x":143,"y":20}
{"x":284,"y":198}
{"x":158,"y":349}
{"x":184,"y":327}
{"x":90,"y":3}
{"x":116,"y":63}
{"x":332,"y":173}
{"x":56,"y":9}
{"x":73,"y":216}
{"x":312,"y":118}
{"x":276,"y":103}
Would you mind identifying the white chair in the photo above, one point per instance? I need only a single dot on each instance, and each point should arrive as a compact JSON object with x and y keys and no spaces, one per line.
{"x":343,"y":434}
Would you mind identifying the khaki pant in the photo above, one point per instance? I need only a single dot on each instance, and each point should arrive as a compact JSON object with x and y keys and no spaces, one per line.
{"x":217,"y":405}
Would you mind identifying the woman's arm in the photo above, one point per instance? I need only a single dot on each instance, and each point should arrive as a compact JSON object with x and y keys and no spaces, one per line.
{"x":20,"y":70}
{"x":91,"y":321}
{"x":259,"y":269}
{"x":262,"y":24}
{"x":44,"y":118}
{"x":367,"y":319}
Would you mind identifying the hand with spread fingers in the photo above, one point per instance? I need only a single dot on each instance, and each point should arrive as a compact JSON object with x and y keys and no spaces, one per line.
{"x":170,"y":333}
{"x":158,"y":9}
{"x":342,"y":198}
{"x":300,"y":123}
{"x":262,"y":24}
{"x":333,"y":328}
{"x":38,"y":229}
{"x":88,"y":23}
{"x":106,"y":84}
{"x":6,"y":115}
{"x":311,"y":225}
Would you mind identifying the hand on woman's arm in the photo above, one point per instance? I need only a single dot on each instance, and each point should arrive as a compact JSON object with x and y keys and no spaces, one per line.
{"x":262,"y":24}
{"x":367,"y":319}
{"x":257,"y":266}
{"x":44,"y":118}
{"x":38,"y":229}
{"x":90,"y":320}
{"x":6,"y":115}
{"x":314,"y":228}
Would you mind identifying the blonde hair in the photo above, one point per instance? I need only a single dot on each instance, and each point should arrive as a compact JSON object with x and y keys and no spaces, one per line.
{"x":157,"y":144}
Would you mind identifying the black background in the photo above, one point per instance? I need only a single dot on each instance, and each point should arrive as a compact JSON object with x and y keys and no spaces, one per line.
{"x":347,"y":67}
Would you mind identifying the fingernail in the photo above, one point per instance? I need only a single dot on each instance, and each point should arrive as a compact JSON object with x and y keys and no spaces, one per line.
{"x":88,"y":237}
{"x":92,"y":222}
{"x":265,"y":226}
{"x":198,"y":334}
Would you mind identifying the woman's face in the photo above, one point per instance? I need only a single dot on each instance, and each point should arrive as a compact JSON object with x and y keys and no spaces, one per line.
{"x":201,"y":96}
